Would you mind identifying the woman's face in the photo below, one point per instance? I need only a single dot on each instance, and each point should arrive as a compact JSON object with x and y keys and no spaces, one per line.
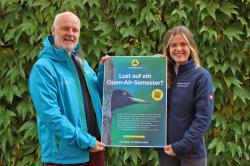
{"x":179,"y":50}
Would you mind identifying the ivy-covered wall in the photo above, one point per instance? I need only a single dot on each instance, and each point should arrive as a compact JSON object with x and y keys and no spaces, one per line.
{"x":129,"y":27}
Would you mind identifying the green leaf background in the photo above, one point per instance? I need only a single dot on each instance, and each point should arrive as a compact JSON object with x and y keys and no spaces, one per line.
{"x":129,"y":27}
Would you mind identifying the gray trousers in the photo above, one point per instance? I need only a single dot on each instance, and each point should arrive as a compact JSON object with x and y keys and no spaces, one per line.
{"x":166,"y":160}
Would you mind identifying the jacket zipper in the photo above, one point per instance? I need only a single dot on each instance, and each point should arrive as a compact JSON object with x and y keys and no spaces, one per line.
{"x":78,"y":89}
{"x":175,"y":79}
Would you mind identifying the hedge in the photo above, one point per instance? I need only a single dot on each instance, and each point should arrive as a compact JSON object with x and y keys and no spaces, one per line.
{"x":129,"y":27}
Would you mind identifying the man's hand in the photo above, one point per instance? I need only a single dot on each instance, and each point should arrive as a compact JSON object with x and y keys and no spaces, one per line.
{"x":99,"y":146}
{"x":168,"y":149}
{"x":104,"y":59}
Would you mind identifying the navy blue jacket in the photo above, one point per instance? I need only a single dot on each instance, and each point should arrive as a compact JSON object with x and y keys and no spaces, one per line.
{"x":190,"y":108}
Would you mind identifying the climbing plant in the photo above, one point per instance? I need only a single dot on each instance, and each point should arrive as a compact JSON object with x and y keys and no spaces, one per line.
{"x":129,"y":27}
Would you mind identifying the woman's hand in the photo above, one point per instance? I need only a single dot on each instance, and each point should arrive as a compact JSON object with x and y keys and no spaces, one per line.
{"x":160,"y":55}
{"x":168,"y":149}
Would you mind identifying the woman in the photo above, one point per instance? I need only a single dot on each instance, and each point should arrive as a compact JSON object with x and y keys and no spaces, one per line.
{"x":190,"y":101}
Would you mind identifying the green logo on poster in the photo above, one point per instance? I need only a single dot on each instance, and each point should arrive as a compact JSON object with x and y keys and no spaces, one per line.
{"x":135,"y":62}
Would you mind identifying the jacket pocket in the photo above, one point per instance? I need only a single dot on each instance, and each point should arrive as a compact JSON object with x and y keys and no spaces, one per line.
{"x":58,"y":140}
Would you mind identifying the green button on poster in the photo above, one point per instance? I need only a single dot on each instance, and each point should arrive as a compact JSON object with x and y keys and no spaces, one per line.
{"x":134,"y":101}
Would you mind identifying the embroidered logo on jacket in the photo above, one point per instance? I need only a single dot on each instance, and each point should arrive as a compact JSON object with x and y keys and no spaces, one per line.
{"x":182,"y":84}
{"x":64,"y":82}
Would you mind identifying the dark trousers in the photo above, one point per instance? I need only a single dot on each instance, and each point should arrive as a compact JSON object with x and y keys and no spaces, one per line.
{"x":166,"y":160}
{"x":96,"y":159}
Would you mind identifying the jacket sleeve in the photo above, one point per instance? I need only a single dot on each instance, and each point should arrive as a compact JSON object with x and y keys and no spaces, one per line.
{"x":43,"y":90}
{"x":204,"y":104}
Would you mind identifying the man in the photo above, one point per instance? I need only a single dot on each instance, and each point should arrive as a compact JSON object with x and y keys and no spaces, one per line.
{"x":66,"y":94}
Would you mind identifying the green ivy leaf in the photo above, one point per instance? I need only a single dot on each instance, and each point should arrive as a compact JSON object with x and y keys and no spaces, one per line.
{"x":159,"y":27}
{"x":28,"y":160}
{"x":117,"y":48}
{"x":202,"y":5}
{"x":241,"y":93}
{"x":120,"y":19}
{"x":93,"y":2}
{"x":25,"y":109}
{"x":1,"y":42}
{"x":6,"y":118}
{"x":132,"y":5}
{"x":228,"y":110}
{"x":77,"y":4}
{"x":3,"y":2}
{"x":147,"y":15}
{"x":213,"y":6}
{"x":220,"y":120}
{"x":233,"y":32}
{"x":242,"y":20}
{"x":217,"y":67}
{"x":237,"y":131}
{"x":10,"y":33}
{"x":219,"y":147}
{"x":245,"y":142}
{"x":246,"y":156}
{"x":213,"y":143}
{"x":126,"y":155}
{"x":212,"y":33}
{"x":43,"y":4}
{"x":234,"y":149}
{"x":134,"y":159}
{"x":101,"y":26}
{"x":13,"y":73}
{"x":29,"y":128}
{"x":234,"y":68}
{"x":221,"y":32}
{"x":10,"y":91}
{"x":225,"y":67}
{"x":228,"y":8}
{"x":7,"y":52}
{"x":127,"y":31}
{"x":248,"y":32}
{"x":4,"y":141}
{"x":152,"y":155}
{"x":232,"y":81}
{"x":28,"y":27}
{"x":239,"y":55}
{"x":217,"y":84}
{"x":181,"y":13}
{"x":245,"y":126}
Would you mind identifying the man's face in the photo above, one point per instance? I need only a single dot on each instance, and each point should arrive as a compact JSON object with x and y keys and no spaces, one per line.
{"x":66,"y":32}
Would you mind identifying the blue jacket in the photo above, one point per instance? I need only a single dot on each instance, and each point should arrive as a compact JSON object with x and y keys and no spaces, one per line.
{"x":57,"y":96}
{"x":190,"y":110}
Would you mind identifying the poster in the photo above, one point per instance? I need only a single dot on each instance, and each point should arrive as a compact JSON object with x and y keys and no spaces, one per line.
{"x":134,"y":101}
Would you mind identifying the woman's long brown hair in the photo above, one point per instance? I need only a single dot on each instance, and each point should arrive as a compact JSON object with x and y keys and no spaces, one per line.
{"x":187,"y":35}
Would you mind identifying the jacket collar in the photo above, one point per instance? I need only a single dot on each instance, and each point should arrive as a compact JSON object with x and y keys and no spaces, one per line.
{"x":57,"y":54}
{"x":187,"y":66}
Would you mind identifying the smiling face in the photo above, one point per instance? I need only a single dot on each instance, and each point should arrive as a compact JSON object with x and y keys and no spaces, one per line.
{"x":179,"y":49}
{"x":66,"y":31}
